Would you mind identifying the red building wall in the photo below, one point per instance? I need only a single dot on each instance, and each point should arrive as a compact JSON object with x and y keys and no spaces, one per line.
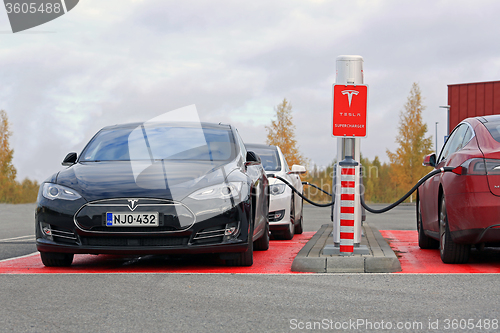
{"x":472,"y":100}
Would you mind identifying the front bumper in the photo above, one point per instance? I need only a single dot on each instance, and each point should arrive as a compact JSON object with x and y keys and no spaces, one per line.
{"x":70,"y":234}
{"x":44,"y":245}
{"x":280,"y":203}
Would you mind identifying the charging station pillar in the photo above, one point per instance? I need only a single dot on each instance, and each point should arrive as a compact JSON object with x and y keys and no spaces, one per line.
{"x":350,"y":96}
{"x":347,"y":206}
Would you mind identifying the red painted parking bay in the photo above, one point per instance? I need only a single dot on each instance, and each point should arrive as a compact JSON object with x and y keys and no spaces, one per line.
{"x":415,"y":260}
{"x":277,"y":260}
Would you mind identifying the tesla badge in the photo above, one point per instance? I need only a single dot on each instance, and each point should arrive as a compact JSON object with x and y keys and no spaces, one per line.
{"x":132,"y":204}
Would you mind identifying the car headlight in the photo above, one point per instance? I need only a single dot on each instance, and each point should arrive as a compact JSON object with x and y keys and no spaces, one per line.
{"x":276,"y":189}
{"x":53,"y":191}
{"x":219,"y":191}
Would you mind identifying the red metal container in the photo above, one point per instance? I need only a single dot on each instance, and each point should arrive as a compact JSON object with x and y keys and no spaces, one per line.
{"x":472,"y":100}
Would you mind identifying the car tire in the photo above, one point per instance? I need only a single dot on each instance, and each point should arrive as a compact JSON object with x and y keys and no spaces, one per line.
{"x":299,"y":227}
{"x":244,"y":258}
{"x":424,"y":241}
{"x":262,"y":244}
{"x":288,"y":234}
{"x":54,"y":259}
{"x":451,"y":252}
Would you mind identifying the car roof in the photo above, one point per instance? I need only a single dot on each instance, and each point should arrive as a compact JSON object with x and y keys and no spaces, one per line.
{"x":495,"y":118}
{"x":174,"y":123}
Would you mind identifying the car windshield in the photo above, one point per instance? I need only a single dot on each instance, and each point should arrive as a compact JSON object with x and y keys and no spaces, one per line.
{"x":160,"y":142}
{"x":270,"y":158}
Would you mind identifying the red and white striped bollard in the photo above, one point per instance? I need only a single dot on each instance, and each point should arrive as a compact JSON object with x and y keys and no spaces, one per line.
{"x":347,"y":211}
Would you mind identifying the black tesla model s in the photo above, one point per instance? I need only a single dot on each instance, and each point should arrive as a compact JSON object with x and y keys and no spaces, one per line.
{"x":156,"y":188}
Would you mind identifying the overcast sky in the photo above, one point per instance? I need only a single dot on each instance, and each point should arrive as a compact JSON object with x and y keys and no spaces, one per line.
{"x":118,"y":61}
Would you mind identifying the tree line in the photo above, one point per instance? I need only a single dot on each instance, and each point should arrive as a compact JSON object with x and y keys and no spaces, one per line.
{"x":12,"y":191}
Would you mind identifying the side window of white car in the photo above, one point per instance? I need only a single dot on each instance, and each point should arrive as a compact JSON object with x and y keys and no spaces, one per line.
{"x":285,"y":166}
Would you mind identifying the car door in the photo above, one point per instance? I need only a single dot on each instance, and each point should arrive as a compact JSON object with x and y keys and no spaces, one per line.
{"x":429,"y":191}
{"x":259,"y":196}
{"x":297,"y":184}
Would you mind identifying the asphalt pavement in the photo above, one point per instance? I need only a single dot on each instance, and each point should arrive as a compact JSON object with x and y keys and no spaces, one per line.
{"x":244,"y":302}
{"x":17,"y":220}
{"x":400,"y":218}
{"x":17,"y":230}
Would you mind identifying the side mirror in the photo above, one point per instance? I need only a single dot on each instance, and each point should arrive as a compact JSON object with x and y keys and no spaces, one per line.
{"x":430,"y":160}
{"x":297,"y":170}
{"x":69,"y":160}
{"x":252,"y":159}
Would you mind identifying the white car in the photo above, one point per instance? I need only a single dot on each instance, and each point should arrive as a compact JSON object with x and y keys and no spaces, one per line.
{"x":285,"y":208}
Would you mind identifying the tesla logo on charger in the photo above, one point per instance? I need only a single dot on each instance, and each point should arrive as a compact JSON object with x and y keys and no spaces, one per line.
{"x":132,"y":204}
{"x":349,"y":94}
{"x":349,"y":113}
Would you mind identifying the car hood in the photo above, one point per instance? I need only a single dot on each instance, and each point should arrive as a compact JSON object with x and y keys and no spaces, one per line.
{"x":123,"y":179}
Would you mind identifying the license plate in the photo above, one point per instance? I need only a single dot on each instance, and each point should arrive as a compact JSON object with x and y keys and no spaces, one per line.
{"x":132,"y":220}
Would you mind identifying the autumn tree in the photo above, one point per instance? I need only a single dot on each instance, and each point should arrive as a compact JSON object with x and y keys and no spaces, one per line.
{"x":7,"y":170}
{"x":281,"y":133}
{"x":379,"y":186}
{"x":406,"y":162}
{"x":26,"y":191}
{"x":10,"y":190}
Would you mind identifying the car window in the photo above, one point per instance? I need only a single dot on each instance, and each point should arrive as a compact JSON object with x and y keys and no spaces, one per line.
{"x":287,"y":169}
{"x":269,"y":157}
{"x":455,"y":142}
{"x":494,"y":128}
{"x":467,"y":137}
{"x":243,"y":149}
{"x":159,"y":143}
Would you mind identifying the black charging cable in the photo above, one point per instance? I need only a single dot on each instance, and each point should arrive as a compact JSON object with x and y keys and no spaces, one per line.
{"x":301,"y":195}
{"x":371,"y":210}
{"x":403,"y":198}
{"x":319,"y":188}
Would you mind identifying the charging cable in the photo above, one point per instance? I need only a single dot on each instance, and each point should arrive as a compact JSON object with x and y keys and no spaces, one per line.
{"x":371,"y":210}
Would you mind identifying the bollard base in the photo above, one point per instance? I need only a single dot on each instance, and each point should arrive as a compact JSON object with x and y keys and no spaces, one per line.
{"x":330,"y":250}
{"x":319,"y":255}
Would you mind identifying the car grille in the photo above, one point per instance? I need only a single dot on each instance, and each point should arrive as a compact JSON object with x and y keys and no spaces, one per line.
{"x":134,"y":229}
{"x":134,"y":241}
{"x":173,"y":216}
{"x":210,"y":235}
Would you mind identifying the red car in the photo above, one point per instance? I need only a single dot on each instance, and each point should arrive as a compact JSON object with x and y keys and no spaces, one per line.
{"x":462,"y":208}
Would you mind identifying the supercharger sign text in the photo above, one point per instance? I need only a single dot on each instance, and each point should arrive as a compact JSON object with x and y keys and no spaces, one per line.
{"x":350,"y":103}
